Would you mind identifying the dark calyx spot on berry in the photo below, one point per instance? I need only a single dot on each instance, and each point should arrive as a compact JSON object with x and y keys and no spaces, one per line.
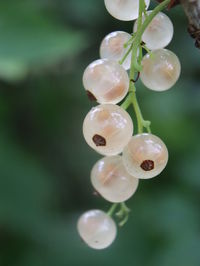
{"x":91,"y":96}
{"x":99,"y":140}
{"x":147,"y":165}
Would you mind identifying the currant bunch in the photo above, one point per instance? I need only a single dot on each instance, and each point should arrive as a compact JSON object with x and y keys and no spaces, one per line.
{"x":108,"y":128}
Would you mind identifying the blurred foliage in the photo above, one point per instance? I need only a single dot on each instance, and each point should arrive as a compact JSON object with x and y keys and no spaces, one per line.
{"x":31,"y":37}
{"x":45,"y":163}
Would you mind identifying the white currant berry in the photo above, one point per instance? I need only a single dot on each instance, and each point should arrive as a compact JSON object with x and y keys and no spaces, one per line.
{"x":160,"y":70}
{"x":107,"y":128}
{"x":158,"y":33}
{"x":124,"y":9}
{"x":106,"y":80}
{"x":145,"y":156}
{"x":111,"y":180}
{"x":112,"y":47}
{"x":97,"y":229}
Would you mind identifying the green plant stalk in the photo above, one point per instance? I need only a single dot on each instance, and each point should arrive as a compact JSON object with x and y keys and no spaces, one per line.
{"x":130,"y":41}
{"x":135,"y":66}
{"x":124,"y":212}
{"x":128,"y":101}
{"x":125,"y":56}
{"x":140,"y":31}
{"x":112,"y":209}
{"x":131,"y":98}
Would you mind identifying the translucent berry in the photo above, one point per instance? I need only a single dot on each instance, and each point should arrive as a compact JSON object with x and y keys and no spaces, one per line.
{"x":159,"y":33}
{"x":112,"y":47}
{"x":107,"y":128}
{"x":106,"y":80}
{"x":160,"y":70}
{"x":97,"y":229}
{"x":111,"y":180}
{"x":145,"y":156}
{"x":124,"y":9}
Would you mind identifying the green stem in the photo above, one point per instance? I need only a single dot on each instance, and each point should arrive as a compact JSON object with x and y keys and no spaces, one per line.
{"x":136,"y":63}
{"x":140,"y":120}
{"x":135,"y":43}
{"x":140,"y":31}
{"x":146,"y":49}
{"x":141,"y":10}
{"x":124,"y":207}
{"x":124,"y":212}
{"x":132,"y":99}
{"x":130,"y":41}
{"x":125,"y":56}
{"x":127,"y":102}
{"x":112,"y":209}
{"x":138,"y":114}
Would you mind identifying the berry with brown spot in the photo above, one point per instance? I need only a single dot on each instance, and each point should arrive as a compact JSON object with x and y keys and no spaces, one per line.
{"x":107,"y":129}
{"x":145,"y":156}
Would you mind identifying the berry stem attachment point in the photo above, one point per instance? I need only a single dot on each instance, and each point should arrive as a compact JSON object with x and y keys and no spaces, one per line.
{"x":123,"y":213}
{"x":146,"y":49}
{"x":112,"y":209}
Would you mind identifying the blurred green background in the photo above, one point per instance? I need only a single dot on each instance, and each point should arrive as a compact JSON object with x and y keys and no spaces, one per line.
{"x":45,"y":163}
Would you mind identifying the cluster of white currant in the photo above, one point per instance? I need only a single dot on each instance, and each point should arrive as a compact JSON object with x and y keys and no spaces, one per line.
{"x":108,"y":128}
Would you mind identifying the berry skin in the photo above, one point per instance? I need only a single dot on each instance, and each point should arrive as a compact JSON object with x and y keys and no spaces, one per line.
{"x":159,"y":33}
{"x":145,"y":156}
{"x":106,"y":80}
{"x":125,"y":10}
{"x":160,"y":70}
{"x":111,"y":180}
{"x":97,"y":229}
{"x":107,"y":129}
{"x":112,"y":47}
